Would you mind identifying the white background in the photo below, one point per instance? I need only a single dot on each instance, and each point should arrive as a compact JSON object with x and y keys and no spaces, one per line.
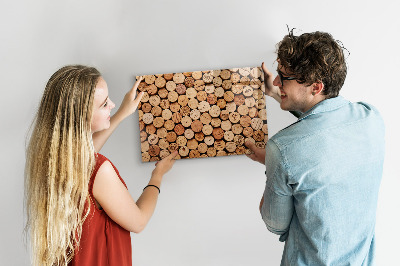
{"x":208,"y":208}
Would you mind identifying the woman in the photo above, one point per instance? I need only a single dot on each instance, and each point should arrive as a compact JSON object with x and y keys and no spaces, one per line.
{"x":78,"y":207}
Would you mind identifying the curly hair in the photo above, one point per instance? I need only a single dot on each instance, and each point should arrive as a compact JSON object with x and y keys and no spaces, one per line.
{"x":314,"y":57}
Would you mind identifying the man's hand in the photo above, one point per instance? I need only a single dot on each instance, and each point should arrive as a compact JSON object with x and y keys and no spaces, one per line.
{"x":257,"y":154}
{"x":270,"y":89}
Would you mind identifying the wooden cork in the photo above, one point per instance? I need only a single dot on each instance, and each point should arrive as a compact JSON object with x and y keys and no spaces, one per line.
{"x":219,"y":92}
{"x":199,"y":136}
{"x":189,"y":82}
{"x":225,"y":74}
{"x":145,"y":146}
{"x":224,"y":115}
{"x":166,"y":114}
{"x":209,"y":88}
{"x":175,"y":107}
{"x":202,"y":148}
{"x":228,"y":135}
{"x":149,"y":79}
{"x":170,"y":86}
{"x":195,"y":114}
{"x":218,"y":133}
{"x":181,"y":141}
{"x":158,"y":122}
{"x":152,"y":139}
{"x":150,"y":129}
{"x":169,"y":125}
{"x":197,"y":74}
{"x":189,"y":134}
{"x":164,"y":104}
{"x":216,"y":122}
{"x":234,"y":117}
{"x":172,"y":96}
{"x":207,"y":129}
{"x":226,"y":125}
{"x":215,"y":111}
{"x":146,"y":107}
{"x":156,"y":110}
{"x":154,"y":150}
{"x":201,"y":96}
{"x":196,"y":126}
{"x":186,"y":121}
{"x":168,"y":76}
{"x":162,"y":132}
{"x":178,"y":78}
{"x":184,"y":151}
{"x":180,"y":89}
{"x":160,"y":82}
{"x":163,"y":93}
{"x":205,"y":118}
{"x":191,"y":93}
{"x":179,"y":129}
{"x":192,"y":144}
{"x":211,"y":152}
{"x":209,"y":140}
{"x":171,"y":136}
{"x":219,"y":145}
{"x":212,"y":99}
{"x":151,"y":89}
{"x":194,"y":154}
{"x":143,"y":136}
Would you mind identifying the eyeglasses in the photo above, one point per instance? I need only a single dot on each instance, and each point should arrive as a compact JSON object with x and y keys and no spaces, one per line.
{"x":282,"y":78}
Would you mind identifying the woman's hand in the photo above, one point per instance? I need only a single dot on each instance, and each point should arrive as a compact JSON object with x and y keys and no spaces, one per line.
{"x":131,"y":101}
{"x":163,"y":166}
{"x":270,"y":89}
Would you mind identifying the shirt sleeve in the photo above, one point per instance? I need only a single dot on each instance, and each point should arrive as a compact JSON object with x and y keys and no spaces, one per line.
{"x":277,"y":209}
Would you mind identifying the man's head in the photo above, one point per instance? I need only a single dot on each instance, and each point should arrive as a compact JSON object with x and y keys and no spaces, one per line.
{"x":312,"y":58}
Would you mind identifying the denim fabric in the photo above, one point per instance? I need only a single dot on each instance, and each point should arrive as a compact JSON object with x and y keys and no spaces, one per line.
{"x":323,"y":176}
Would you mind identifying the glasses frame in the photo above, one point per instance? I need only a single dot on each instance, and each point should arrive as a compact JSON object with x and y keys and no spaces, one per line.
{"x":282,"y":78}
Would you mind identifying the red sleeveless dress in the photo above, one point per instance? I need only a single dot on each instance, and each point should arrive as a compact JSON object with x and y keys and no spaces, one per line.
{"x":103,"y":241}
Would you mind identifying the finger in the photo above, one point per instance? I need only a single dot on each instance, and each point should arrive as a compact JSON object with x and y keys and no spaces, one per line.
{"x":139,"y":96}
{"x":251,"y":146}
{"x":136,"y":85}
{"x":172,"y":155}
{"x":265,"y":69}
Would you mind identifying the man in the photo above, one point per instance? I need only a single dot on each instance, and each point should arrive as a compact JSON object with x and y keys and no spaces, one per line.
{"x":323,"y":171}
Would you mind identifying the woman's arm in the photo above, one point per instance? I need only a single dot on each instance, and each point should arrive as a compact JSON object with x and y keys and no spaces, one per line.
{"x":128,"y":107}
{"x":116,"y":201}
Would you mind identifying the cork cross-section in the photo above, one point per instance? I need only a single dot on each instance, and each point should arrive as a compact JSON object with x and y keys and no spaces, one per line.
{"x":202,"y":113}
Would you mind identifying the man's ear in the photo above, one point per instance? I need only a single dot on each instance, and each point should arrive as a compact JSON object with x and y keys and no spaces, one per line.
{"x":317,"y":88}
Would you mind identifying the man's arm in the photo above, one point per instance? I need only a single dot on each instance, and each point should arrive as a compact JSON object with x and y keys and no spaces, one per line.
{"x":276,"y":206}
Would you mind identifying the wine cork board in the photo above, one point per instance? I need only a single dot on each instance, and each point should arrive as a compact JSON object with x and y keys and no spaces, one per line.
{"x":202,"y":113}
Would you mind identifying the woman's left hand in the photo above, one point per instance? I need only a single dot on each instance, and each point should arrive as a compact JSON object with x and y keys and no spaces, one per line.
{"x":131,"y":100}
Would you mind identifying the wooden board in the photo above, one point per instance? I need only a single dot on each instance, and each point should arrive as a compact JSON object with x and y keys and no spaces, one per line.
{"x":202,"y":113}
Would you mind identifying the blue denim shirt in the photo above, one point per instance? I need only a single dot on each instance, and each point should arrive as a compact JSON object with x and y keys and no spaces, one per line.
{"x":323,"y":176}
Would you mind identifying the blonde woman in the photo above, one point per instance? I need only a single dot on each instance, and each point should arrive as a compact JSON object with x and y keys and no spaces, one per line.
{"x":78,"y":207}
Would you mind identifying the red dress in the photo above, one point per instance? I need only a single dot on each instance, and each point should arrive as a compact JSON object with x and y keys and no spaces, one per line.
{"x":103,"y":241}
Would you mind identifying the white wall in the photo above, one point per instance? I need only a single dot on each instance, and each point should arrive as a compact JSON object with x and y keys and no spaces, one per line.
{"x":208,"y":208}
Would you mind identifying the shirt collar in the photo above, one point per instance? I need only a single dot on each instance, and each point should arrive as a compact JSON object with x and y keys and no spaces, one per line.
{"x":325,"y":106}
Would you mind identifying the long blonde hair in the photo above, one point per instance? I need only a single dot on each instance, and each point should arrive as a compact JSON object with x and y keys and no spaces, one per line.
{"x":59,"y":161}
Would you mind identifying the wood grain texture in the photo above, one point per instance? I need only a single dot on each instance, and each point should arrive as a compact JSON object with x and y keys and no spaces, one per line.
{"x":202,"y":113}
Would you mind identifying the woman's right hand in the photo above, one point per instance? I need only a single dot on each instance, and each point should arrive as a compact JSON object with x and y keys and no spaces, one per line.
{"x":163,"y":166}
{"x":270,"y":89}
